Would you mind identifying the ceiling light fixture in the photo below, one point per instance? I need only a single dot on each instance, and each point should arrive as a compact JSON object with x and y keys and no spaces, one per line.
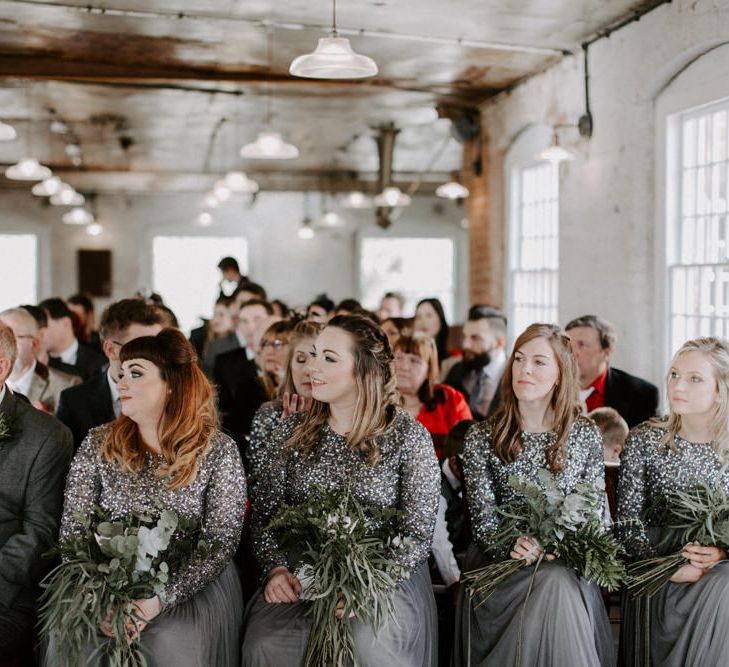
{"x":67,"y":196}
{"x":453,"y":189}
{"x":333,"y":58}
{"x":391,"y":197}
{"x":59,"y":127}
{"x":332,"y":219}
{"x":210,"y":201}
{"x":357,"y":200}
{"x":48,"y":187}
{"x":77,"y":216}
{"x":221,"y":191}
{"x":555,"y":153}
{"x":237,"y":181}
{"x":28,"y":169}
{"x":204,"y":219}
{"x":7,"y":132}
{"x":94,"y":229}
{"x":305,"y":232}
{"x":269,"y":146}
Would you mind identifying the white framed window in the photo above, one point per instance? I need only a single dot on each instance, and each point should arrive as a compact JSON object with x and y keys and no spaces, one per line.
{"x":185,"y":273}
{"x":698,"y":231}
{"x":18,"y":269}
{"x":533,"y":258}
{"x":415,"y":267}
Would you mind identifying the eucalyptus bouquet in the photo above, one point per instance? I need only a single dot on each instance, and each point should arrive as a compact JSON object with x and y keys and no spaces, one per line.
{"x":346,"y":563}
{"x":104,"y":569}
{"x":569,"y":526}
{"x":699,"y":515}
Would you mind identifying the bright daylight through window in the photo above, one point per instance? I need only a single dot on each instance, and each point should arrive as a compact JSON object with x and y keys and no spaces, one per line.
{"x":19,"y":274}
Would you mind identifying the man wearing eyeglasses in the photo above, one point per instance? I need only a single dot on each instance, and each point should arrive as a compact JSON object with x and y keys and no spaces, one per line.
{"x":41,"y":385}
{"x":96,"y":401}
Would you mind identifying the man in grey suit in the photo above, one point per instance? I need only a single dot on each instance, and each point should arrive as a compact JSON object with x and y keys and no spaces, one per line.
{"x":35,"y":454}
{"x":40,"y":384}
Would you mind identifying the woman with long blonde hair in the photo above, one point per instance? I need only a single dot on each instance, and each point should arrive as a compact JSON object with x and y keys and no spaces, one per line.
{"x":165,"y":448}
{"x":537,"y":426}
{"x":686,"y":623}
{"x":353,"y":434}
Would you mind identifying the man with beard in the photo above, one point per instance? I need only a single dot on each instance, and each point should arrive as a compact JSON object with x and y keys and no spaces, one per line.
{"x":479,"y":372}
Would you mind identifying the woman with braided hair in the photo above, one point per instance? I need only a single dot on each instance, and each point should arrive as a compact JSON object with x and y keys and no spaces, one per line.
{"x":353,"y":434}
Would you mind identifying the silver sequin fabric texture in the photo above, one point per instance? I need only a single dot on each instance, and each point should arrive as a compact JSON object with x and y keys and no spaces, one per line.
{"x":265,"y":422}
{"x":406,"y":477}
{"x":487,"y":476}
{"x":216,"y":497}
{"x":649,"y":471}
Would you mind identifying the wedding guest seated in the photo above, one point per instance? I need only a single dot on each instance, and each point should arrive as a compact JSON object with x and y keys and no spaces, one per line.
{"x":64,"y":350}
{"x":593,"y":341}
{"x":614,"y":431}
{"x":35,"y":452}
{"x":96,"y":401}
{"x":353,"y":436}
{"x":321,"y":309}
{"x":686,"y":622}
{"x":391,"y":305}
{"x":83,"y":307}
{"x":430,"y":320}
{"x":348,"y":307}
{"x":164,"y":451}
{"x":273,"y":352}
{"x":436,"y":406}
{"x":280,"y":309}
{"x":216,"y":336}
{"x":478,"y":374}
{"x":240,"y":392}
{"x":41,"y":385}
{"x":394,"y":327}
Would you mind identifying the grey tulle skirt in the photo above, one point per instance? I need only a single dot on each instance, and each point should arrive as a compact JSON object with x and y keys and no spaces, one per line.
{"x":683,"y":625}
{"x":276,"y":634}
{"x":564,"y":622}
{"x":201,"y":632}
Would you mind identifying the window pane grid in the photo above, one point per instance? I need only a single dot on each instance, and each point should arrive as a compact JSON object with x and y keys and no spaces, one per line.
{"x":698,"y":266}
{"x":535,"y":242}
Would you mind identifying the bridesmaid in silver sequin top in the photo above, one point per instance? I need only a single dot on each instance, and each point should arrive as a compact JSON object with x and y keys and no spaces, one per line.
{"x":165,"y":447}
{"x":687,"y":622}
{"x":537,"y":426}
{"x":353,"y":434}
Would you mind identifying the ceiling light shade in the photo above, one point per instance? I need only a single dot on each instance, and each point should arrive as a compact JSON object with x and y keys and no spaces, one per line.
{"x":28,"y":169}
{"x":554,"y":152}
{"x":48,"y":187}
{"x":333,"y":58}
{"x":59,"y":127}
{"x":452,"y":190}
{"x":77,"y":216}
{"x":210,"y":200}
{"x":237,"y":181}
{"x":204,"y":219}
{"x":392,"y":197}
{"x":73,"y":150}
{"x":94,"y":229}
{"x":221,"y":191}
{"x":67,"y":196}
{"x":270,"y":146}
{"x":332,"y":219}
{"x":305,"y":232}
{"x":356,"y":199}
{"x":7,"y":132}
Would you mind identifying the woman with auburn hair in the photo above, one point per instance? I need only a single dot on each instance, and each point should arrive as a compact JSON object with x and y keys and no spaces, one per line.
{"x":438,"y":407}
{"x":165,"y":448}
{"x":686,"y":623}
{"x":355,"y":435}
{"x":537,"y":426}
{"x":430,"y":320}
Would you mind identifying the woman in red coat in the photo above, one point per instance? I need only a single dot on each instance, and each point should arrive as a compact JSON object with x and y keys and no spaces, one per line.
{"x":438,"y":407}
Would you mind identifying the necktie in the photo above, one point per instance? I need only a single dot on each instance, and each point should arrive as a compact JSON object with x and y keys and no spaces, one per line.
{"x":474,"y":400}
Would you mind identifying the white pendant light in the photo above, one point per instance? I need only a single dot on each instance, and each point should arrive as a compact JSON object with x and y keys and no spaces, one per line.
{"x":269,"y":146}
{"x":356,"y":200}
{"x":554,"y":152}
{"x":77,"y":216}
{"x":94,"y":229}
{"x":331,"y":219}
{"x":204,"y":219}
{"x":48,"y":187}
{"x":210,"y":201}
{"x":28,"y":169}
{"x":7,"y":132}
{"x":333,"y":58}
{"x":67,"y":196}
{"x":305,"y":232}
{"x":391,"y":197}
{"x":452,"y":190}
{"x":221,"y":191}
{"x":237,"y":181}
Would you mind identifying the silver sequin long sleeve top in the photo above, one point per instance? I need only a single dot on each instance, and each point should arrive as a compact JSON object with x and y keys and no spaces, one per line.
{"x":487,"y":477}
{"x":216,"y":497}
{"x":406,"y":478}
{"x":648,"y":472}
{"x":265,"y":422}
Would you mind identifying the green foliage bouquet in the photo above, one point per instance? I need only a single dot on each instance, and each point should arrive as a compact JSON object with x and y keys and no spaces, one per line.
{"x":104,"y":569}
{"x":699,"y":515}
{"x":345,"y":562}
{"x":569,"y":526}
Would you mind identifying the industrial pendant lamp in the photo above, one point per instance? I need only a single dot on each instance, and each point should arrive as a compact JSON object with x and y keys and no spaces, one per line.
{"x":7,"y":132}
{"x":28,"y":169}
{"x":452,"y":189}
{"x":333,"y":58}
{"x":555,"y":153}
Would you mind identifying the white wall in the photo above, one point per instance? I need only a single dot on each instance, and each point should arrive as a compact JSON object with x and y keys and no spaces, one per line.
{"x":291,"y":269}
{"x":608,"y":259}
